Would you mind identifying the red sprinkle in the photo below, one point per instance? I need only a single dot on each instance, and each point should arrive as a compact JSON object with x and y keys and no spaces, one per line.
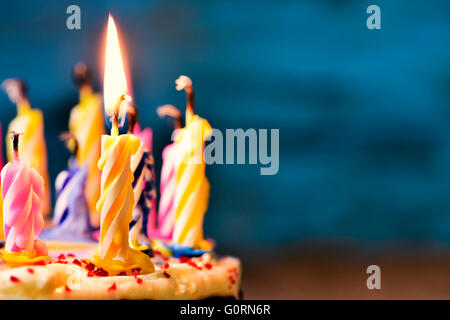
{"x":166,"y":266}
{"x":184,"y":259}
{"x":90,"y":274}
{"x":68,"y":289}
{"x":208,"y":266}
{"x":113,"y":287}
{"x":90,"y":266}
{"x":70,"y":255}
{"x":166,"y":274}
{"x":193,"y":264}
{"x":40,"y":263}
{"x":136,"y":272}
{"x":30,"y":270}
{"x":101,"y":272}
{"x":14,"y":279}
{"x":139,"y":280}
{"x":61,"y":256}
{"x":77,"y":262}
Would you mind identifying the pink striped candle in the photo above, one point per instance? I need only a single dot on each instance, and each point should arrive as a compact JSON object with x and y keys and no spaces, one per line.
{"x":166,"y":210}
{"x":22,"y":191}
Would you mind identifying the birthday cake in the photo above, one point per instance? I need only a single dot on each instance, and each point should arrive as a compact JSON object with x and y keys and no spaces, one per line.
{"x":106,"y":238}
{"x":69,"y":273}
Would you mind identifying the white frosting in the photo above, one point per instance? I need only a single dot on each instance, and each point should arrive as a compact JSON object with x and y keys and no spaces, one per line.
{"x":185,"y":282}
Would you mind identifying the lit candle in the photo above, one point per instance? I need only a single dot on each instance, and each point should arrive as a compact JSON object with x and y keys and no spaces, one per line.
{"x":22,"y":191}
{"x":192,"y":188}
{"x":30,"y":122}
{"x":116,"y":196}
{"x":142,"y":165}
{"x":166,"y":209}
{"x":86,"y":123}
{"x":71,"y":213}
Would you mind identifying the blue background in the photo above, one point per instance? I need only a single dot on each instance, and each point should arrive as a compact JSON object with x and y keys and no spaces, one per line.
{"x":364,"y":115}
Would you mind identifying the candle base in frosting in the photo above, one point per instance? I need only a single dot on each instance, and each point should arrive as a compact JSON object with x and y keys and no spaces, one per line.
{"x":14,"y":259}
{"x":135,"y":260}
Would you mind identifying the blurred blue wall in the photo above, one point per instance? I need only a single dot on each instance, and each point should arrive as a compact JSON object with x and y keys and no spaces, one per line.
{"x":364,"y":115}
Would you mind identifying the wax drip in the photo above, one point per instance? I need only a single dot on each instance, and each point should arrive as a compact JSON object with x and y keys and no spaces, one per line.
{"x":15,"y":141}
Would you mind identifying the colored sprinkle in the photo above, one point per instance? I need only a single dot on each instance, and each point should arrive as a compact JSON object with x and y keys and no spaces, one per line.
{"x":61,"y":256}
{"x":208,"y":266}
{"x":113,"y":287}
{"x":166,"y":274}
{"x":101,"y":272}
{"x":90,"y":266}
{"x":136,"y":272}
{"x":70,"y":255}
{"x":40,"y":263}
{"x":62,"y":262}
{"x":77,"y":262}
{"x":139,"y":280}
{"x":166,"y":266}
{"x":14,"y":279}
{"x":193,"y":264}
{"x":90,"y":274}
{"x":184,"y":259}
{"x":68,"y":289}
{"x":30,"y":270}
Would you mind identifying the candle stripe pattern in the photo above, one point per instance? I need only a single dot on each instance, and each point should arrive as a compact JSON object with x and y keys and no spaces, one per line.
{"x":142,"y":165}
{"x":166,"y":210}
{"x":22,"y":191}
{"x":192,"y":189}
{"x":117,"y":198}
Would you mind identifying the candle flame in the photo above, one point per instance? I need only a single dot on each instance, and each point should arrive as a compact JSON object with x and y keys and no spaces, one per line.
{"x":114,"y":81}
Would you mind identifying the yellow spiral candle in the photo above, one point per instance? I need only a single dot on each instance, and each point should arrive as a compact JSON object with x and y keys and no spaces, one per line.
{"x":192,"y":187}
{"x":116,"y":205}
{"x":86,"y":123}
{"x":30,"y":122}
